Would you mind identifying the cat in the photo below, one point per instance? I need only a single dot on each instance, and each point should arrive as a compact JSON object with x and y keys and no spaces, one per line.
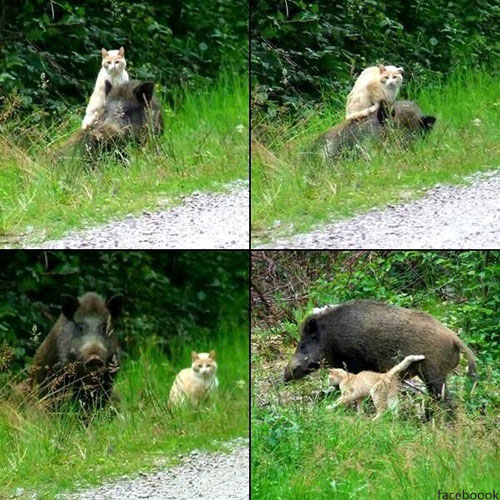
{"x":382,"y":387}
{"x":113,"y":70}
{"x":194,"y":385}
{"x":375,"y":84}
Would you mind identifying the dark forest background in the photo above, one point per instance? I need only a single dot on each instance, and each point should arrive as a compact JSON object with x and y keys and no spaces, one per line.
{"x":460,"y":288}
{"x":179,"y":297}
{"x":50,"y":52}
{"x":302,"y":50}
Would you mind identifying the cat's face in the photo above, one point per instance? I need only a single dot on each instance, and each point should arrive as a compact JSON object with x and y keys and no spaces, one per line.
{"x":114,"y":60}
{"x":390,"y":76}
{"x":204,"y":363}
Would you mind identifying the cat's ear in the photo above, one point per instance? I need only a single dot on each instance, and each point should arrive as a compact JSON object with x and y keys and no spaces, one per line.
{"x":107,"y":87}
{"x":381,"y":67}
{"x":400,"y":70}
{"x":144,"y":92}
{"x":104,"y":53}
{"x":211,"y":354}
{"x":194,"y":355}
{"x":121,"y":52}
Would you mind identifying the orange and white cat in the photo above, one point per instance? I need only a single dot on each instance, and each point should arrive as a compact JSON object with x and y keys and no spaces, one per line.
{"x":113,"y":70}
{"x":194,"y":385}
{"x":375,"y":84}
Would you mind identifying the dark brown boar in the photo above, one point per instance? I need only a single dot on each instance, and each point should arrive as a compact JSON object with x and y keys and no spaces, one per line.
{"x":79,"y":358}
{"x":371,"y":335}
{"x":405,"y":116}
{"x":130,"y":112}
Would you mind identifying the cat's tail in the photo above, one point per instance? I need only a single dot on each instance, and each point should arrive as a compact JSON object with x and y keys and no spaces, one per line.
{"x":357,"y":115}
{"x":401,"y":367}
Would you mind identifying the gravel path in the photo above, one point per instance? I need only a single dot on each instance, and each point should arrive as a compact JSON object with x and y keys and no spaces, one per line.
{"x":202,"y":220}
{"x":203,"y":475}
{"x":447,"y":217}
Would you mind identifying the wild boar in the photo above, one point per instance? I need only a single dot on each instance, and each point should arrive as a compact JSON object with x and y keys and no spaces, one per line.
{"x":406,"y":116}
{"x":371,"y":335}
{"x":79,"y":358}
{"x":130,"y":112}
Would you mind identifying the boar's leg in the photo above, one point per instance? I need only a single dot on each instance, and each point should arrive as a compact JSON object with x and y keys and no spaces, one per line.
{"x":438,"y":390}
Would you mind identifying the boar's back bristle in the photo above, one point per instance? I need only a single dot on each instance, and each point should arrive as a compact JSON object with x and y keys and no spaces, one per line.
{"x":92,"y":303}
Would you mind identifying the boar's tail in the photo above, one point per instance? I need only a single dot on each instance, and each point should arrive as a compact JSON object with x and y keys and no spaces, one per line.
{"x":470,"y":356}
{"x":401,"y":367}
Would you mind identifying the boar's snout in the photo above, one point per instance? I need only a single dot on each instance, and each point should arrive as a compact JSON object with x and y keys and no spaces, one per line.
{"x":94,"y":363}
{"x":299,"y":367}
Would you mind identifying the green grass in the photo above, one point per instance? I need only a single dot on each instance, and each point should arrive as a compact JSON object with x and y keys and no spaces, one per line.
{"x":293,"y":186}
{"x":300,"y":450}
{"x":310,"y":453}
{"x":204,"y":146}
{"x":48,"y":453}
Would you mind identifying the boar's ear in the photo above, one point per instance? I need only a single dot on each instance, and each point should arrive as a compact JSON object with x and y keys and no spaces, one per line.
{"x":114,"y":305}
{"x":107,"y":87}
{"x":310,"y":329}
{"x":427,"y":122}
{"x":69,"y":305}
{"x":144,"y":92}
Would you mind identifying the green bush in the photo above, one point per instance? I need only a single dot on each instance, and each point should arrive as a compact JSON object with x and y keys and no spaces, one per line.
{"x":462,"y":289}
{"x":302,"y":50}
{"x":178,"y":297}
{"x":50,"y":51}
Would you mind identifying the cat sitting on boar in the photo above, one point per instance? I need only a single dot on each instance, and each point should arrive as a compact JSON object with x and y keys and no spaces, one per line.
{"x":112,"y":70}
{"x":130,"y":113}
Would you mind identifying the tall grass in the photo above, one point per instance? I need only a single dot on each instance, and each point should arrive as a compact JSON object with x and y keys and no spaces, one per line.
{"x":293,"y":189}
{"x":204,"y":146}
{"x":301,"y":450}
{"x":47,"y":452}
{"x":310,"y":453}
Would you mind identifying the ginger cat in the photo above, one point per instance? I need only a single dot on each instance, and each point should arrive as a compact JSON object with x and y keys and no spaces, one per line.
{"x":194,"y":385}
{"x":382,"y":387}
{"x":113,"y":70}
{"x":375,"y":84}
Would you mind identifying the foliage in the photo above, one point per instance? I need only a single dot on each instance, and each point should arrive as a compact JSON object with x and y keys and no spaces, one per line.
{"x":460,"y":288}
{"x":301,"y":50}
{"x":180,"y":298}
{"x":50,"y":51}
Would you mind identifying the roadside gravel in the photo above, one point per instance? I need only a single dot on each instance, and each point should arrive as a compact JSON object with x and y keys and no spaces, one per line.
{"x":202,"y":220}
{"x":203,"y":475}
{"x":447,"y":217}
